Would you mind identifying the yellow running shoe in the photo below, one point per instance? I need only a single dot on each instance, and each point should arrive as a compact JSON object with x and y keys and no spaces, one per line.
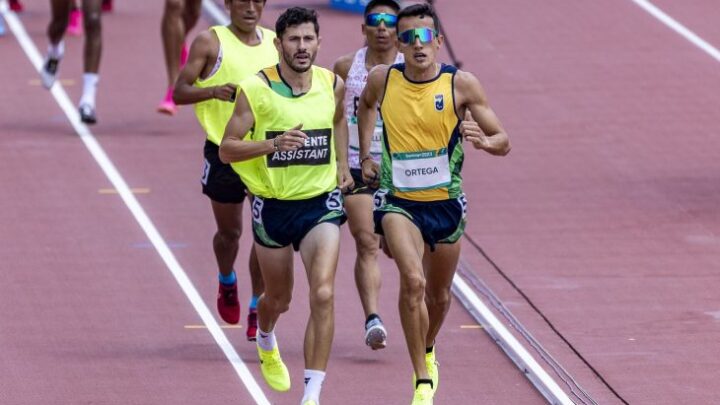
{"x":423,"y":395}
{"x":432,"y":367}
{"x":273,"y":369}
{"x":309,"y":402}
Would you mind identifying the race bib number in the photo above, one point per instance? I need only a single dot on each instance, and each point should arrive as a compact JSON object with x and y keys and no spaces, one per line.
{"x":257,"y":206}
{"x":205,"y":173}
{"x":354,"y":137}
{"x":334,"y":201}
{"x":315,"y":152}
{"x":379,"y":198}
{"x":421,"y":170}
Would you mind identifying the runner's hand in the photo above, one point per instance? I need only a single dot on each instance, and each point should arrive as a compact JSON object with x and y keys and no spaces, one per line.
{"x":370,"y":172}
{"x":226,"y":92}
{"x":345,"y":180}
{"x":471,"y":131}
{"x":291,"y":139}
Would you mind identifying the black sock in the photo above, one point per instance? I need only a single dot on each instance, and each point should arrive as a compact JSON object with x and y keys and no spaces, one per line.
{"x":423,"y":381}
{"x":371,"y":317}
{"x":429,"y":350}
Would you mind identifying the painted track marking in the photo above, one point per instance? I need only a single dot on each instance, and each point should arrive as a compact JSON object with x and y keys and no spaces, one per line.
{"x":135,"y":208}
{"x":679,"y":28}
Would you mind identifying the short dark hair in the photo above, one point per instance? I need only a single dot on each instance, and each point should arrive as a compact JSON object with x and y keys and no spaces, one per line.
{"x":419,"y":10}
{"x":377,"y":3}
{"x":296,"y":16}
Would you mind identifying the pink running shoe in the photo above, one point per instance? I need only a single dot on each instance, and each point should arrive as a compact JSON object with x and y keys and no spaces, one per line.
{"x":16,"y":6}
{"x":227,"y":303}
{"x":184,"y":54}
{"x":167,"y":106}
{"x":252,"y":325}
{"x":75,"y":24}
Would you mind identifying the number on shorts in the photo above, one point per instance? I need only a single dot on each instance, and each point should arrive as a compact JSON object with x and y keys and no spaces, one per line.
{"x":206,"y":173}
{"x":379,"y":198}
{"x":334,"y":201}
{"x":463,"y":203}
{"x":257,"y":206}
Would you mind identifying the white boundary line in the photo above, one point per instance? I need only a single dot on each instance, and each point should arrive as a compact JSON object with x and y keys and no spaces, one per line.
{"x":136,"y":209}
{"x":216,"y":13}
{"x":527,"y":364}
{"x":679,"y":28}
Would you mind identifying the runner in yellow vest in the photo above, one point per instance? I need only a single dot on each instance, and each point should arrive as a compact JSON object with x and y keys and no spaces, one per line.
{"x":219,"y":59}
{"x":295,"y":164}
{"x":420,"y":206}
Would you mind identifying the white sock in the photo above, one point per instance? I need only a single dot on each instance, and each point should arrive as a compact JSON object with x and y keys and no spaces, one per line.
{"x":313,"y":385}
{"x":56,"y":51}
{"x":266,"y":340}
{"x":90,"y":81}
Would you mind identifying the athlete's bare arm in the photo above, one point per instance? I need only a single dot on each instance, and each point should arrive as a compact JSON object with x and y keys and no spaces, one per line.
{"x":370,"y":97}
{"x":235,"y":148}
{"x":345,"y":180}
{"x":480,"y":125}
{"x":203,"y":54}
{"x":343,"y":64}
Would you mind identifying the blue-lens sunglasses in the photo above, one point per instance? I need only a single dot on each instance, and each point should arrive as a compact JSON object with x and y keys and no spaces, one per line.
{"x":374,"y":20}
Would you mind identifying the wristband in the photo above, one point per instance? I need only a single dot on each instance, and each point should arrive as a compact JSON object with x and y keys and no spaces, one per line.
{"x":275,"y":143}
{"x":364,"y":159}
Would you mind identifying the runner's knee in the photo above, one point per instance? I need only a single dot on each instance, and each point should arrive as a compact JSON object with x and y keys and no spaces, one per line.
{"x":412,"y":287}
{"x":366,"y":243}
{"x":228,"y":236}
{"x":92,"y":24}
{"x":437,"y":299}
{"x":322,"y":297}
{"x":279,"y":303}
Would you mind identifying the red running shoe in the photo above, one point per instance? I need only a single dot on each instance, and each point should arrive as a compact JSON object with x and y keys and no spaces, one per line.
{"x":107,"y":6}
{"x":16,"y":6}
{"x":252,"y":325}
{"x":228,"y":304}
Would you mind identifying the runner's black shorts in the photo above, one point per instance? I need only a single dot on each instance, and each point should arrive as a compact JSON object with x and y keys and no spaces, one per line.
{"x":279,"y":223}
{"x":219,"y":181}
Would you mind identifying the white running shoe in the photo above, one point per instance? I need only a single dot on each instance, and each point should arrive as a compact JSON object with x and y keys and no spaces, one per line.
{"x":48,"y":74}
{"x":375,"y":334}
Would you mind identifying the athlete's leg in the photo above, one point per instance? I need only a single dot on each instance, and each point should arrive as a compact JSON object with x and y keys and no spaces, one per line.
{"x":60,"y":14}
{"x":319,"y":250}
{"x":367,"y":273}
{"x":257,"y":285}
{"x":93,"y":34}
{"x":440,"y":268}
{"x":405,"y":242}
{"x":191,"y":14}
{"x":256,"y":280}
{"x":277,"y":272}
{"x":60,"y":10}
{"x":228,"y":218}
{"x":179,"y":17}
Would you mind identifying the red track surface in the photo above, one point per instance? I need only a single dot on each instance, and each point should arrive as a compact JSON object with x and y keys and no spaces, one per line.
{"x":605,"y":215}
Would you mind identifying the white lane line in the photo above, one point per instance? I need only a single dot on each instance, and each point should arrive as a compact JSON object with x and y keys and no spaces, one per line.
{"x":216,"y":13}
{"x":136,"y":209}
{"x":527,"y":364}
{"x":679,"y":28}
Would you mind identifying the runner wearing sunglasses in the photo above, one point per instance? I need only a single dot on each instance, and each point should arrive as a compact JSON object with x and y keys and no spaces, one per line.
{"x":381,"y":37}
{"x":420,"y":207}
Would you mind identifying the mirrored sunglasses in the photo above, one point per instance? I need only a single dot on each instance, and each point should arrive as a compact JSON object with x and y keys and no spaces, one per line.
{"x":374,"y":20}
{"x":425,"y":35}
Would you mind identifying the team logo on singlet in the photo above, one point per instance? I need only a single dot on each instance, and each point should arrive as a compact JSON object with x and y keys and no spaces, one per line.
{"x":316,"y":151}
{"x":439,"y":102}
